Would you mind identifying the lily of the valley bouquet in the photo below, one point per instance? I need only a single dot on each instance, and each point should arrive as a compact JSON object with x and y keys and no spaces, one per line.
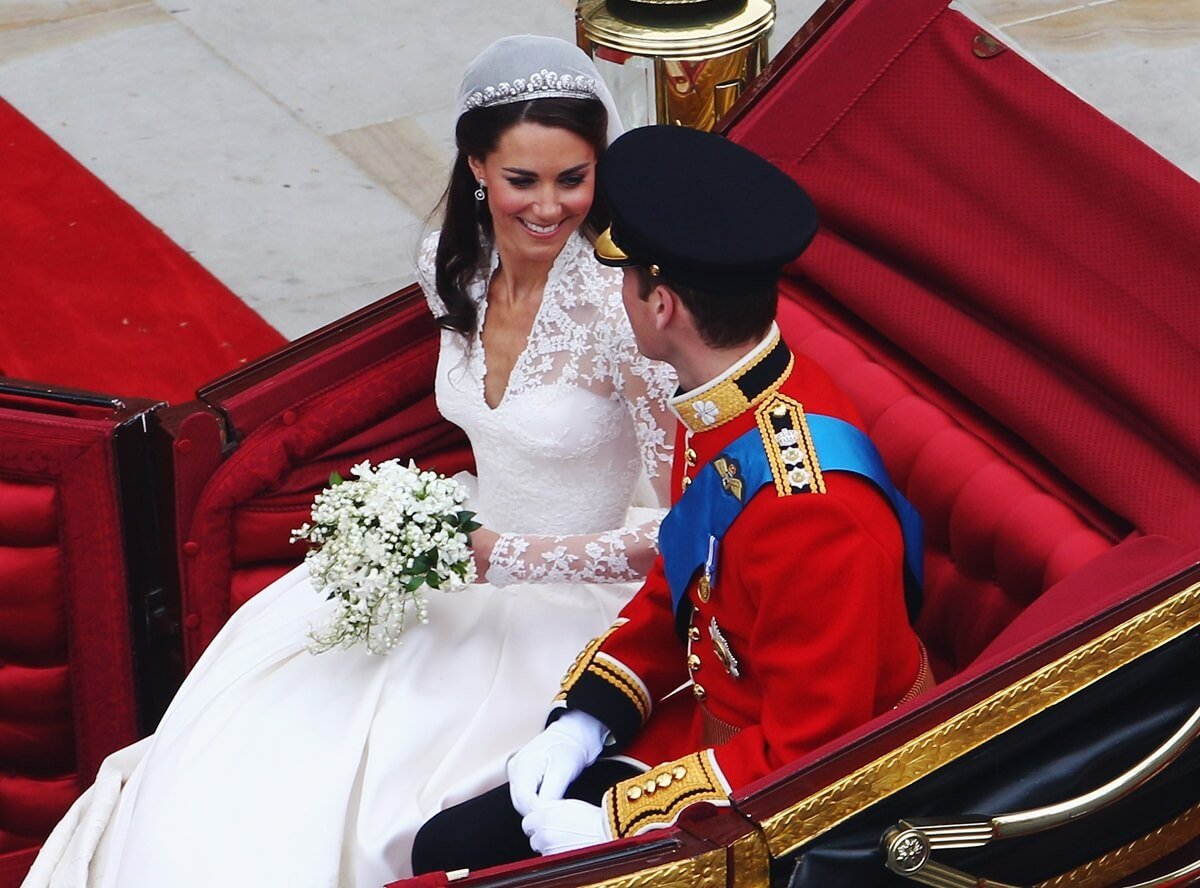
{"x":381,"y":539}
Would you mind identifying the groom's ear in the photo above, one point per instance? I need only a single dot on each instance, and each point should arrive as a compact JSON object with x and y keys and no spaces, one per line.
{"x":665,"y":306}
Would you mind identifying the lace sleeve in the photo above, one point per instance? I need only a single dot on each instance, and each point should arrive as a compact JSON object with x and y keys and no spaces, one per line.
{"x":614,"y":556}
{"x":426,"y":274}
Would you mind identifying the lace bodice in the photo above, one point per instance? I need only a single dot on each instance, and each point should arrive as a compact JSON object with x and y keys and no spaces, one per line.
{"x":583,"y":417}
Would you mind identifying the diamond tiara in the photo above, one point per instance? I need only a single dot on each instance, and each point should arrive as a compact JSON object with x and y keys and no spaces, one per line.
{"x":542,"y":85}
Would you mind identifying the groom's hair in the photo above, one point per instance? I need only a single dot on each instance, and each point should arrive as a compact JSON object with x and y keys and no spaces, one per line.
{"x":721,"y":320}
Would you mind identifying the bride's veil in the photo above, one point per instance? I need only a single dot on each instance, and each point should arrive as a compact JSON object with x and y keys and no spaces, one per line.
{"x":530,"y":66}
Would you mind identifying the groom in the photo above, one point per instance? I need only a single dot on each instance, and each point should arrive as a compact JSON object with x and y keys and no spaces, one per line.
{"x":775,"y":619}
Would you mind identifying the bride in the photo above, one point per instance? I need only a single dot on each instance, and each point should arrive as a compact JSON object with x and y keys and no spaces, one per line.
{"x":277,"y":767}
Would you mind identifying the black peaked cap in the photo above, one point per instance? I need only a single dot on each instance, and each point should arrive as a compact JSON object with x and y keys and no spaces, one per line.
{"x":709,"y":213}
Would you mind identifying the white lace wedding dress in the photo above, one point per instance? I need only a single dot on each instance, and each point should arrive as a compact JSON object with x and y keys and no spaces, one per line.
{"x":274,"y":766}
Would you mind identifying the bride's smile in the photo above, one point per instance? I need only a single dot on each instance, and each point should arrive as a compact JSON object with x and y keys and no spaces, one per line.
{"x":540,"y":230}
{"x":539,"y":181}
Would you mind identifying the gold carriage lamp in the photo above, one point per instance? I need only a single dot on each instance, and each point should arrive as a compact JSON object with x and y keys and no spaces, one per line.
{"x":675,"y":61}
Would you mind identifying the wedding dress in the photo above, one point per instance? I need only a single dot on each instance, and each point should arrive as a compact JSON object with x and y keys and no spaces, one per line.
{"x":274,"y":766}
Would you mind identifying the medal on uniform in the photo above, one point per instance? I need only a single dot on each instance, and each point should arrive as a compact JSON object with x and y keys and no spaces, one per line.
{"x":721,"y":646}
{"x":708,"y":578}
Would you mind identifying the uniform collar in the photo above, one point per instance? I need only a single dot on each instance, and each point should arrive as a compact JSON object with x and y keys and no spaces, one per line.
{"x":743,"y":386}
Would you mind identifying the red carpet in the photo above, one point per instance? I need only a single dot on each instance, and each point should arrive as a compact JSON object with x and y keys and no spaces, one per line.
{"x":94,"y":296}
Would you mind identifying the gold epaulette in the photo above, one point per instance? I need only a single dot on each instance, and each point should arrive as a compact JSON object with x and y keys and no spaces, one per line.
{"x":656,"y":798}
{"x":789,"y":446}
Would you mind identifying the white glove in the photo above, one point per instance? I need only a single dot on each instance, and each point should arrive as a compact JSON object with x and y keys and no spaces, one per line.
{"x":544,"y":767}
{"x":554,"y":827}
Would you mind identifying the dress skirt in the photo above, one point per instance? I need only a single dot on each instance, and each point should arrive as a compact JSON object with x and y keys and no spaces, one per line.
{"x":275,"y":766}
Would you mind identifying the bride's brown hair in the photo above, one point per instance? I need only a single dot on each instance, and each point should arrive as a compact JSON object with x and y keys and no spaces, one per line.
{"x":464,"y":245}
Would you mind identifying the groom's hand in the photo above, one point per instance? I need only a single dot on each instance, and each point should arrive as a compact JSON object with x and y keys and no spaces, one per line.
{"x":565,"y":825}
{"x":544,"y":767}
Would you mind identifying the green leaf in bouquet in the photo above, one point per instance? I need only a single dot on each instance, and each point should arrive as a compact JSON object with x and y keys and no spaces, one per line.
{"x":414,"y":583}
{"x":465,"y":523}
{"x":433,"y":579}
{"x":420,"y":564}
{"x":335,"y":479}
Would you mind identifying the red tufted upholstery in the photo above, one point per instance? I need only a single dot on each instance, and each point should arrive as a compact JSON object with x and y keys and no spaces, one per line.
{"x":66,"y":682}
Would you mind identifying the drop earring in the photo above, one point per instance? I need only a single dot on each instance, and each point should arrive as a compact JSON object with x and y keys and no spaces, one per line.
{"x":480,"y":194}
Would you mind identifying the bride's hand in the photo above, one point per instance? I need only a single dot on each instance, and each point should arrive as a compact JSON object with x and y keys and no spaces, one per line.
{"x":482,"y":541}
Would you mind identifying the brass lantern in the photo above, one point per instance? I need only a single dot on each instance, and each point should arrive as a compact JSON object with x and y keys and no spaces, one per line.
{"x":682,"y":62}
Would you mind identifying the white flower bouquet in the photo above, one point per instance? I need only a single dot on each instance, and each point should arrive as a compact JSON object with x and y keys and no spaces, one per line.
{"x":380,"y":540}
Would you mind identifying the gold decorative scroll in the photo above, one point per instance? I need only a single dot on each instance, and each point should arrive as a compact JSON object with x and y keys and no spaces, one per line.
{"x":705,"y":871}
{"x":751,"y":862}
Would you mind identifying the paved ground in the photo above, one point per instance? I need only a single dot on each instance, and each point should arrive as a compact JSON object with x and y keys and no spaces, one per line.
{"x":295,"y":147}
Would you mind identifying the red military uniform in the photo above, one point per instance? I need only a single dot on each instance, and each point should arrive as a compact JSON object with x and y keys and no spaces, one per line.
{"x":799,"y":634}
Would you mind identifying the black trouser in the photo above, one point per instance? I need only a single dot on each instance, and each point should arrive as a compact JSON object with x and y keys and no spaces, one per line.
{"x":486,"y":830}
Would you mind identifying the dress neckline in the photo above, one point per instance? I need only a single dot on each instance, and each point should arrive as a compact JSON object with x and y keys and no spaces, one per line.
{"x":550,"y":291}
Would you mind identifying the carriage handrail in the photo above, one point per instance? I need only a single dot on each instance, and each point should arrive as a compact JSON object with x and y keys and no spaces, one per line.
{"x":908,"y":845}
{"x":75,"y":397}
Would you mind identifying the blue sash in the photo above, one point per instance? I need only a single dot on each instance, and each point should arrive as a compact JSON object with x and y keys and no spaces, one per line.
{"x":690,"y":534}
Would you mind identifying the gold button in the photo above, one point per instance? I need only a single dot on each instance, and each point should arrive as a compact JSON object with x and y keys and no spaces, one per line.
{"x":689,"y":456}
{"x":635,"y":793}
{"x":698,"y":692}
{"x":693,"y":663}
{"x":664,"y":780}
{"x":685,"y":482}
{"x":704,"y":589}
{"x":679,"y":772}
{"x":694,"y":633}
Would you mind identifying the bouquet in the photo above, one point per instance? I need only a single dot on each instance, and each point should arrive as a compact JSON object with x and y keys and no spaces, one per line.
{"x":381,"y":539}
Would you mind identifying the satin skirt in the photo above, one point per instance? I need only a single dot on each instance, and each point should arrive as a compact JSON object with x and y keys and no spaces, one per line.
{"x":275,"y":766}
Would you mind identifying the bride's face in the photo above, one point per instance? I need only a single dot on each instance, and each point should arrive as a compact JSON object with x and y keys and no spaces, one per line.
{"x":540,"y":181}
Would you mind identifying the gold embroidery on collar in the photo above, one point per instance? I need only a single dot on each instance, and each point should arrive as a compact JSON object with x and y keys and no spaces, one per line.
{"x":719,"y":403}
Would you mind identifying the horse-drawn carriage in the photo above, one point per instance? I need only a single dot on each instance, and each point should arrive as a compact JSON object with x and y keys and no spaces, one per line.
{"x":1006,"y":284}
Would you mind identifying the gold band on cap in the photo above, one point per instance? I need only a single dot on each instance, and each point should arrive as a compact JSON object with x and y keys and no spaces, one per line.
{"x":608,"y":252}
